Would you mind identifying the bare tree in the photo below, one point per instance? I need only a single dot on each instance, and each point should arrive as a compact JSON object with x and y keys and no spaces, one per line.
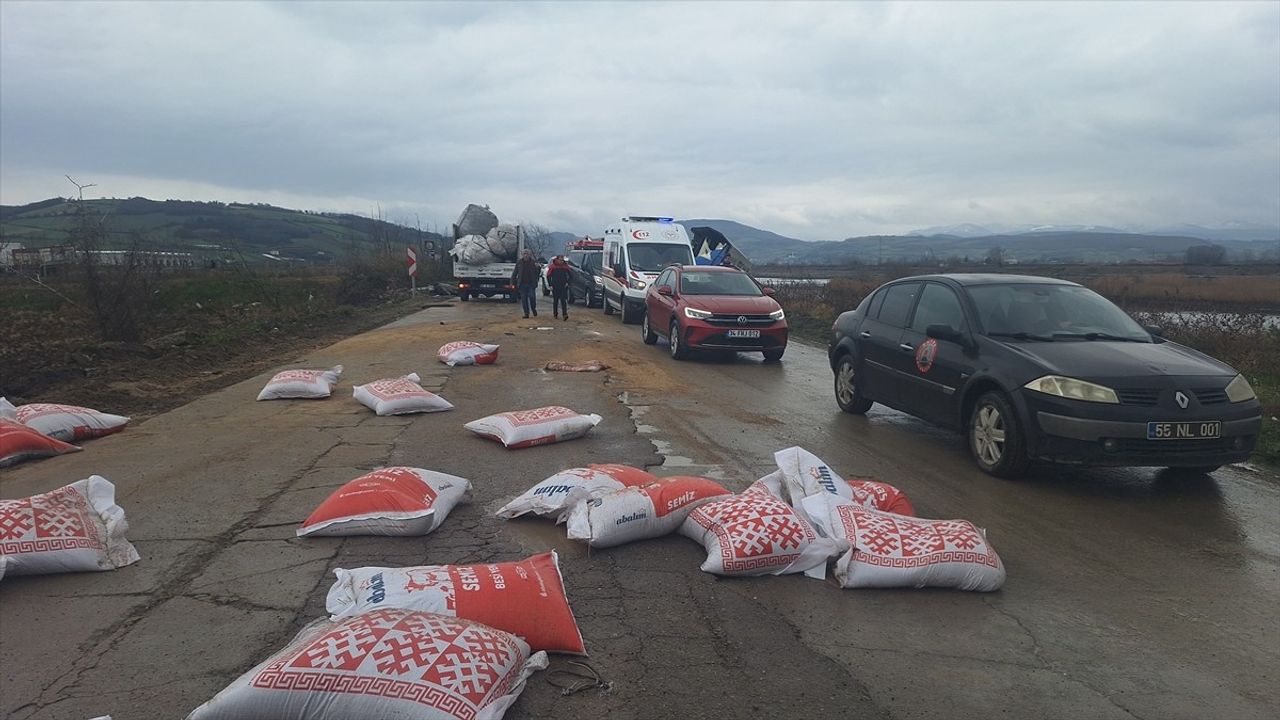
{"x":537,"y":239}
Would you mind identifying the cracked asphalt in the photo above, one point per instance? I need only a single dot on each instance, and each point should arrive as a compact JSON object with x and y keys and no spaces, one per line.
{"x":1131,"y":594}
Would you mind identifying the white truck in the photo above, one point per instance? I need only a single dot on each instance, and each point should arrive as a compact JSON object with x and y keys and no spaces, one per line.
{"x":487,"y":279}
{"x":636,"y":249}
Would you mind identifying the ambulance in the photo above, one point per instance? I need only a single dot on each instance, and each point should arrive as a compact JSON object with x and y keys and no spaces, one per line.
{"x":636,"y":249}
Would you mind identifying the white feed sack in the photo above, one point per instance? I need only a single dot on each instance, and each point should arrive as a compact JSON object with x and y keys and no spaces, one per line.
{"x":390,"y":663}
{"x":883,"y":550}
{"x":301,"y":384}
{"x":555,"y":495}
{"x":465,"y":352}
{"x":756,"y":533}
{"x":76,"y":528}
{"x":68,"y":423}
{"x":639,"y":513}
{"x":476,"y":220}
{"x":399,"y":396}
{"x":528,"y":428}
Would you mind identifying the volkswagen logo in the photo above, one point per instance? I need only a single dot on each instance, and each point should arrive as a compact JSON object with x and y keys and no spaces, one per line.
{"x":742,"y":320}
{"x":1182,"y":399}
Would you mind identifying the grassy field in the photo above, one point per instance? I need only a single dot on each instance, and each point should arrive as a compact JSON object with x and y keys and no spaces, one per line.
{"x":1222,"y":316}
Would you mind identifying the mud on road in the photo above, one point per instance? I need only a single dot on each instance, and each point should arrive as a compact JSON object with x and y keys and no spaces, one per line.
{"x":1129,"y":594}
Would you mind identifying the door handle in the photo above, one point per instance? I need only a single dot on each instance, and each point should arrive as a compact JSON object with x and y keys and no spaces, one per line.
{"x":906,"y":346}
{"x":864,"y":334}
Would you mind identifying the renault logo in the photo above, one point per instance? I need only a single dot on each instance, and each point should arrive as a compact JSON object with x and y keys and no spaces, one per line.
{"x":742,"y":320}
{"x":1182,"y":399}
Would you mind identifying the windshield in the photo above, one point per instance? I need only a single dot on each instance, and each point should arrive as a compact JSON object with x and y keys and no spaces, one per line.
{"x":654,"y":257}
{"x":1052,"y":312}
{"x":718,"y":283}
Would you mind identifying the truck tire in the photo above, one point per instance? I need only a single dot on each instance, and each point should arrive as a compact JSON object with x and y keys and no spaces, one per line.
{"x":628,"y":312}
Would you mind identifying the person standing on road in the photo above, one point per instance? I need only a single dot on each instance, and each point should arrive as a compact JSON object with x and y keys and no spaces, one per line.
{"x":525,"y":278}
{"x":558,"y":275}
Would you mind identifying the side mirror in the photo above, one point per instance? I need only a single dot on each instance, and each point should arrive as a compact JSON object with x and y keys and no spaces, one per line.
{"x":769,"y":291}
{"x":948,"y":333}
{"x":1155,"y":330}
{"x":664,"y":290}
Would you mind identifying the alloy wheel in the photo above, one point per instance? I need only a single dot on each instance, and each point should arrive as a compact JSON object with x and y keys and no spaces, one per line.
{"x":988,"y":435}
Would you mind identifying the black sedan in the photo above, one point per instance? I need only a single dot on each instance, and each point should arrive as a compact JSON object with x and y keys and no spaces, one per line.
{"x":1033,"y":368}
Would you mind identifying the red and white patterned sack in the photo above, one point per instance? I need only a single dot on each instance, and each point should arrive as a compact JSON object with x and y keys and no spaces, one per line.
{"x":19,"y":442}
{"x":76,"y":528}
{"x":540,"y":426}
{"x":880,"y":496}
{"x":886,"y":550}
{"x":301,"y":384}
{"x":638,"y":513}
{"x":465,"y":352}
{"x":399,"y":396}
{"x":383,"y":664}
{"x":756,"y":533}
{"x":400,"y":501}
{"x":556,"y":494}
{"x":69,"y":423}
{"x":525,"y":598}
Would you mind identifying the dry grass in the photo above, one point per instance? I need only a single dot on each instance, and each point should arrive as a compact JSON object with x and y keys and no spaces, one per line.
{"x":1183,"y":292}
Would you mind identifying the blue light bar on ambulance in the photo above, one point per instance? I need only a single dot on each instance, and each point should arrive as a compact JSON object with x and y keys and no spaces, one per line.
{"x":638,"y":218}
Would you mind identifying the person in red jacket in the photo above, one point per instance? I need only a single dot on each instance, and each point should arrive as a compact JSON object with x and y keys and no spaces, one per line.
{"x":558,"y":276}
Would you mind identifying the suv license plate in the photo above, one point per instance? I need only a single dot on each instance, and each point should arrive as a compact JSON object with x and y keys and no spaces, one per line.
{"x":742,"y":333}
{"x":1184,"y":430}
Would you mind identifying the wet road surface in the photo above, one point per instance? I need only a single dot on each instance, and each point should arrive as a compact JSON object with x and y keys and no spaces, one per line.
{"x":1130,"y":593}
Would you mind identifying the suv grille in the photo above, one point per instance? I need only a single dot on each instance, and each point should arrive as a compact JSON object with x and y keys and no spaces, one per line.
{"x":1145,"y":397}
{"x":732,"y":320}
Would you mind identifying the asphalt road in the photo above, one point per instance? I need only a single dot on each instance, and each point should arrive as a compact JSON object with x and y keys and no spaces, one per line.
{"x":1129,"y":593}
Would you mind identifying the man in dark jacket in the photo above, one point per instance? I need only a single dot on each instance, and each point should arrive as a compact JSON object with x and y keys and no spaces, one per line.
{"x":525,"y":278}
{"x":558,"y":276}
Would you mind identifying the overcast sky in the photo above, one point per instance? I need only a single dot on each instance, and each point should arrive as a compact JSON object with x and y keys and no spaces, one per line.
{"x":819,"y":121}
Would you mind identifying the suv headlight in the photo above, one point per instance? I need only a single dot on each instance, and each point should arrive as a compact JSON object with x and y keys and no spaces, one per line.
{"x":637,"y":284}
{"x":1073,"y":389}
{"x":1238,"y":390}
{"x":778,"y":314}
{"x":598,"y":278}
{"x":696,"y":314}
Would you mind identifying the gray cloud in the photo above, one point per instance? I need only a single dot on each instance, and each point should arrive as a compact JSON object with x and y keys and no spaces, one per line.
{"x":817,"y":120}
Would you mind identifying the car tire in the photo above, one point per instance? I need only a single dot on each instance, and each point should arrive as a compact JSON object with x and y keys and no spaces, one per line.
{"x":608,"y":309}
{"x":464,"y":297}
{"x":678,"y":349}
{"x":646,"y":333}
{"x":995,"y":438}
{"x":774,"y":355}
{"x":594,"y":300}
{"x":848,"y":392}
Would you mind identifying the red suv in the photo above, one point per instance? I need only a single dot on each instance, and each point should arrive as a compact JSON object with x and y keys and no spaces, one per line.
{"x":713,"y":308}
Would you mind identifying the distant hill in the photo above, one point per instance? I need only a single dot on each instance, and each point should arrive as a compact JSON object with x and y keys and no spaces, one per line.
{"x":211,"y":227}
{"x":1023,"y":244}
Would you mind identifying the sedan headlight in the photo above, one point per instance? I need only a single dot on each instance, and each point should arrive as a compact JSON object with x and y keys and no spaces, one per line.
{"x":1238,"y":390}
{"x":637,"y":284}
{"x":1073,"y":389}
{"x":696,"y":314}
{"x":599,"y":279}
{"x":778,"y":314}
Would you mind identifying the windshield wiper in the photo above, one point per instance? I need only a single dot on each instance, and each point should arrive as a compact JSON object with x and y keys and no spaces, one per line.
{"x":1021,"y":336}
{"x":1099,"y":336}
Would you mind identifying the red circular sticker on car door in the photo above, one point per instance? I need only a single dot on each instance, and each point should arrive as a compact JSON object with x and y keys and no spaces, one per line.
{"x":925,"y":355}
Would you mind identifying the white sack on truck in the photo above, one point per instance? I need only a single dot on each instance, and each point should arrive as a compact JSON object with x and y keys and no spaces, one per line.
{"x":504,"y":242}
{"x":383,"y":664}
{"x":472,"y":250}
{"x":476,"y":220}
{"x":77,"y":528}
